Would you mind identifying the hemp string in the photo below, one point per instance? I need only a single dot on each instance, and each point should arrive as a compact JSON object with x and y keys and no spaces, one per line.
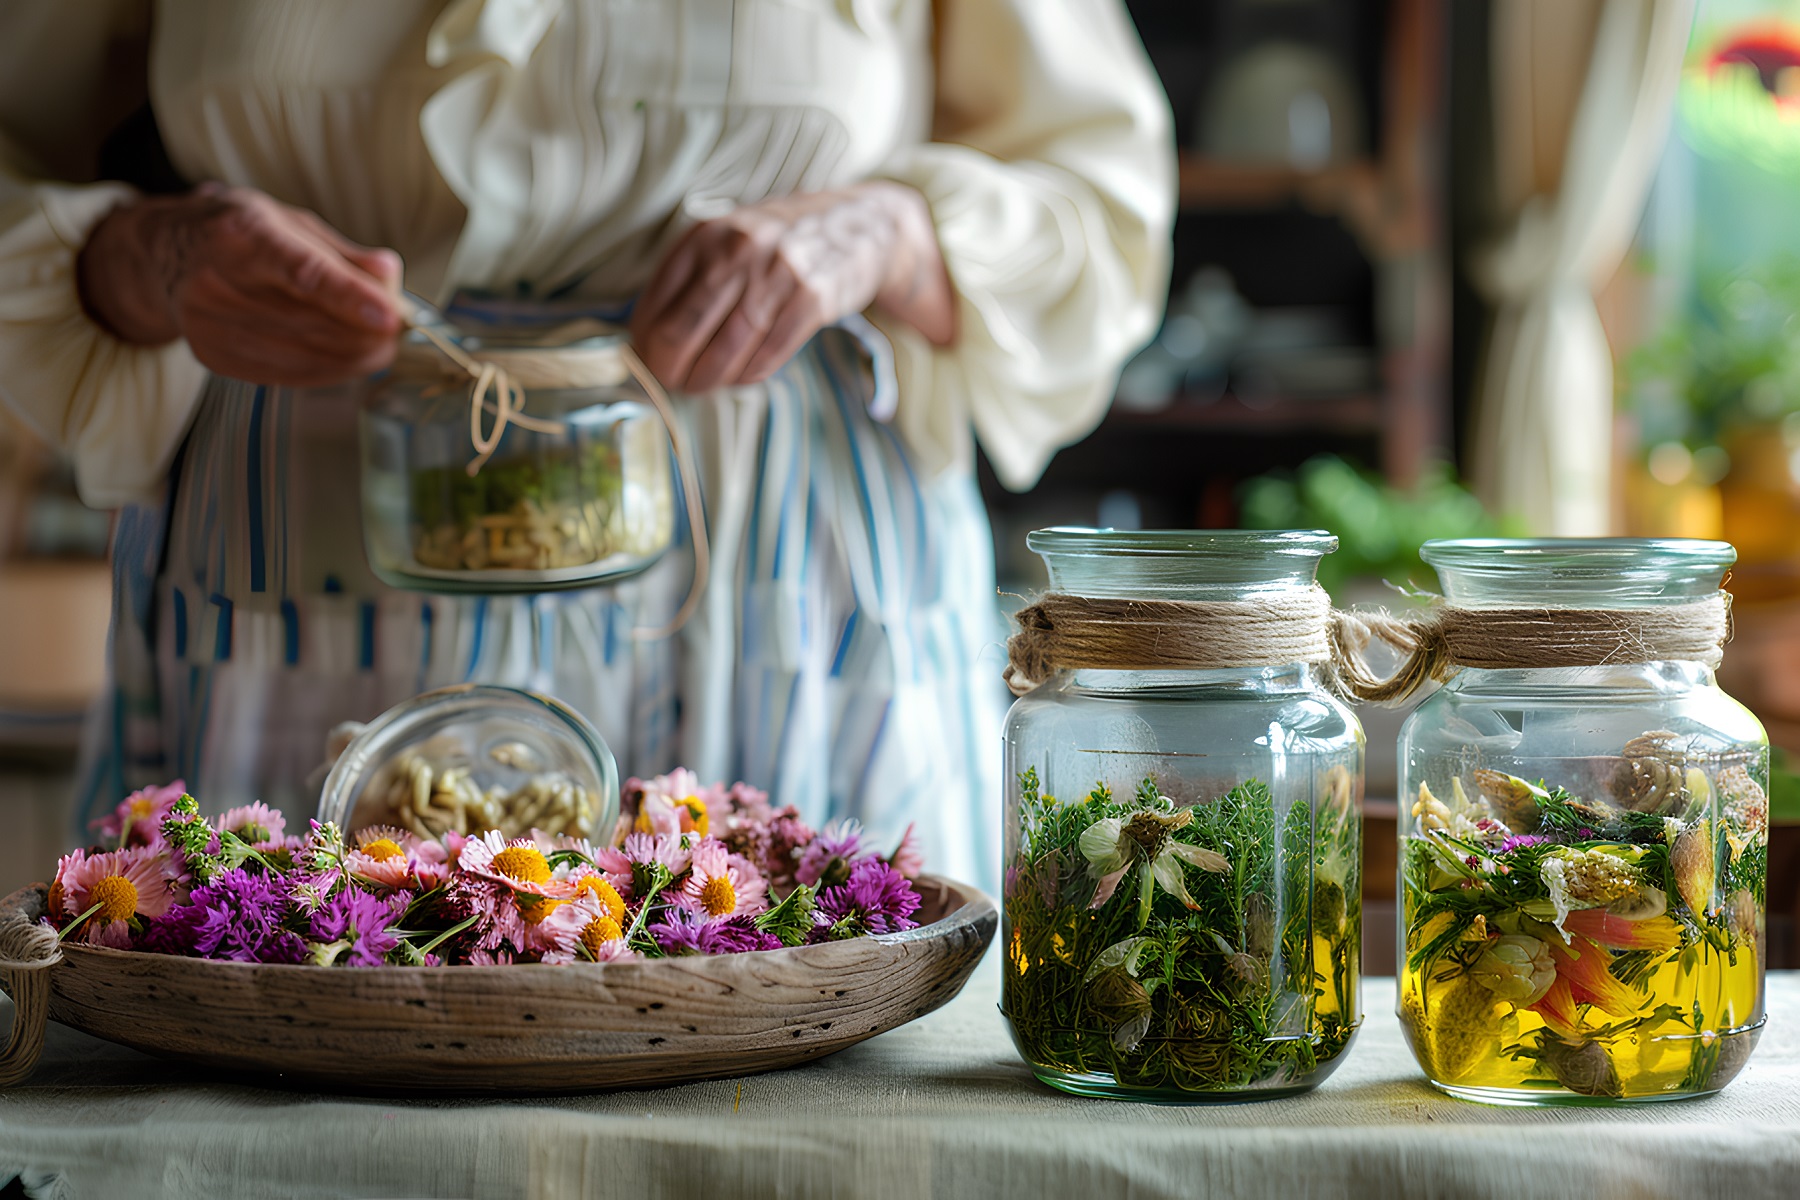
{"x":28,"y":949}
{"x":508,"y":407}
{"x":1063,"y":632}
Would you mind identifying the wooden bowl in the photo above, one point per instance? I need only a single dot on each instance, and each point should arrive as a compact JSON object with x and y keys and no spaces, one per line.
{"x":513,"y":1029}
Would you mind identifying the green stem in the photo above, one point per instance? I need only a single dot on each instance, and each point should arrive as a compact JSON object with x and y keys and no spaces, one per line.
{"x":72,"y":926}
{"x":451,"y":932}
{"x":1146,"y":889}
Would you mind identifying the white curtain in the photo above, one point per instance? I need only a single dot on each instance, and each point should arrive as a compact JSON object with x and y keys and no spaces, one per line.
{"x":1542,"y":446}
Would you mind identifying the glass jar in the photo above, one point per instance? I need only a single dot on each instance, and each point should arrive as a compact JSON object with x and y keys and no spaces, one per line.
{"x":472,"y":758}
{"x":1240,"y":788}
{"x":577,"y":491}
{"x":1582,"y":859}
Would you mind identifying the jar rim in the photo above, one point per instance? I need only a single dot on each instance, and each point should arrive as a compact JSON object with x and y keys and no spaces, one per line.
{"x":1197,"y":544}
{"x":1596,"y":555}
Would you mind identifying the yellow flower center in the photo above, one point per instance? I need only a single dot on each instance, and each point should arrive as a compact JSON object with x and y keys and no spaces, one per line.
{"x":382,"y":849}
{"x":140,"y":808}
{"x":117,"y":897}
{"x":599,"y":931}
{"x":718,"y":897}
{"x":642,"y":824}
{"x":534,"y":914}
{"x":523,"y":864}
{"x":697,"y":812}
{"x":605,"y":893}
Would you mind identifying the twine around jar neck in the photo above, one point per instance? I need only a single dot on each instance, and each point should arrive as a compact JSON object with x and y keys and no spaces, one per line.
{"x":497,"y":383}
{"x":1062,"y":632}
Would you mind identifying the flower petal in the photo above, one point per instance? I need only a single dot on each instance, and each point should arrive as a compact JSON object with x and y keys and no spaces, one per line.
{"x":1100,"y":844}
{"x":1109,"y":883}
{"x":1167,"y":870}
{"x":1200,"y":856}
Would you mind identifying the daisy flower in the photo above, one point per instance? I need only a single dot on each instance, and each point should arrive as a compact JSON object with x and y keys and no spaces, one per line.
{"x":255,"y":823}
{"x":517,"y":864}
{"x":394,"y":858}
{"x":674,"y":803}
{"x":721,"y":884}
{"x":110,"y":890}
{"x":826,"y":860}
{"x":620,"y":865}
{"x":137,"y":821}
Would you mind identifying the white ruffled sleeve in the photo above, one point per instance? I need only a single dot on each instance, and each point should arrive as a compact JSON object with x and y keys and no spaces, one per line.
{"x":119,"y":411}
{"x":1052,"y":185}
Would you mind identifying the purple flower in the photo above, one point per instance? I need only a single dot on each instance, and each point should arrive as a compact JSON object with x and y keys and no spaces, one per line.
{"x":1521,"y":841}
{"x":684,"y":932}
{"x":830,"y":854}
{"x":363,"y":920}
{"x":875,"y":899}
{"x":237,"y":916}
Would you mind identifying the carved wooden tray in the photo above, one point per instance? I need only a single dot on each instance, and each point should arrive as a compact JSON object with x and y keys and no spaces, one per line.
{"x":510,"y":1029}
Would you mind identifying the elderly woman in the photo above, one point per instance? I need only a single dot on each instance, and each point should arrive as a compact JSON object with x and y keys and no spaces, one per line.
{"x":858,"y":234}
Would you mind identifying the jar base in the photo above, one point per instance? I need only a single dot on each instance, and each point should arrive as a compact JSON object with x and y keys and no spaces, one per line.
{"x":1558,"y":1098}
{"x":1105,"y":1087}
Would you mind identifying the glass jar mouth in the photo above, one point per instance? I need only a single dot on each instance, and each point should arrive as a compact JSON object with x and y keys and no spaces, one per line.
{"x":1200,"y":545}
{"x":1599,"y":571}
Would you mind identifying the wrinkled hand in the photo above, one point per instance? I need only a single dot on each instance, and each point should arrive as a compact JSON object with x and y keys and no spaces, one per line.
{"x":261,"y":291}
{"x":738,"y":296}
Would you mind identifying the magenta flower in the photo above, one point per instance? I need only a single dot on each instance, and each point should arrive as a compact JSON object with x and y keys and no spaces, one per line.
{"x":237,"y":916}
{"x":358,"y":927}
{"x":137,"y":821}
{"x":255,"y":823}
{"x":683,"y":932}
{"x":875,"y":899}
{"x":828,"y":856}
{"x":1521,"y":841}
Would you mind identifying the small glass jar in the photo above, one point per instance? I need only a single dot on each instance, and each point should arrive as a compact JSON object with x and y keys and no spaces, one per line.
{"x":472,"y":758}
{"x":1583,"y":848}
{"x":578,"y":491}
{"x":1240,"y":788}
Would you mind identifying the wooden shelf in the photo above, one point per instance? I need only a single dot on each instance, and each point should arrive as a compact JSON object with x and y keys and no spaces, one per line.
{"x":1215,"y":184}
{"x":1359,"y":413}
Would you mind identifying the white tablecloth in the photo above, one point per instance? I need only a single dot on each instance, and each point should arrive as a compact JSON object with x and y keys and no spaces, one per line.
{"x":943,"y":1107}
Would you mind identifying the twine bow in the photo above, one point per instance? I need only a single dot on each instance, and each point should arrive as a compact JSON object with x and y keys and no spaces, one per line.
{"x":507,"y":404}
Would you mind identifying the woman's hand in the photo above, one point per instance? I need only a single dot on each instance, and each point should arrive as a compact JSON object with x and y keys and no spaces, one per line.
{"x":738,"y":296}
{"x":261,"y":291}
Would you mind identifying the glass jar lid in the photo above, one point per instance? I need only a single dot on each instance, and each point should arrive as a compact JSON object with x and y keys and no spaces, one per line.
{"x":475,"y":757}
{"x":1577,"y":572}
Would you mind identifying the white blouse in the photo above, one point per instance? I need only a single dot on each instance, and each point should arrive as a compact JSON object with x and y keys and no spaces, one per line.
{"x":548,"y":147}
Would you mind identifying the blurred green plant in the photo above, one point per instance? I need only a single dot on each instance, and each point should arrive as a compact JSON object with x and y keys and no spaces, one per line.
{"x":1729,"y":360}
{"x":1379,"y":527}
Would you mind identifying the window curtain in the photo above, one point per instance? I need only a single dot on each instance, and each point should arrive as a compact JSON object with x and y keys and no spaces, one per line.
{"x":1583,"y":91}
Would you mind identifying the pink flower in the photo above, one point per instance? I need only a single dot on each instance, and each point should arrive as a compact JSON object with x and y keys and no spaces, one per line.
{"x":118,"y":886}
{"x":721,"y":884}
{"x":394,"y":858}
{"x":517,"y":865}
{"x":137,"y":821}
{"x":674,"y":803}
{"x":907,"y":857}
{"x":255,"y":823}
{"x":640,"y":850}
{"x":498,"y":924}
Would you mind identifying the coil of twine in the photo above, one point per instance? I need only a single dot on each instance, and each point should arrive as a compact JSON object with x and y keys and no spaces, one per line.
{"x":1063,"y":632}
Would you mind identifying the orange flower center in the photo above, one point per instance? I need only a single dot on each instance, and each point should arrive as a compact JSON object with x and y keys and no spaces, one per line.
{"x":382,"y":849}
{"x":534,"y":914}
{"x":605,"y":893}
{"x":696,"y":812}
{"x":523,"y":864}
{"x":117,"y":897}
{"x":718,"y":897}
{"x":140,"y":808}
{"x":599,"y":931}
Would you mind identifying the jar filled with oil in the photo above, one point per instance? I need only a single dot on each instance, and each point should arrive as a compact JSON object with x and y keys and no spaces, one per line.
{"x":1583,"y":849}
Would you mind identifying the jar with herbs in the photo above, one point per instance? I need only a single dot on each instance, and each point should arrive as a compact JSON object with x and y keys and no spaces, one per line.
{"x":1583,"y":829}
{"x":516,"y":461}
{"x":1182,"y":912}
